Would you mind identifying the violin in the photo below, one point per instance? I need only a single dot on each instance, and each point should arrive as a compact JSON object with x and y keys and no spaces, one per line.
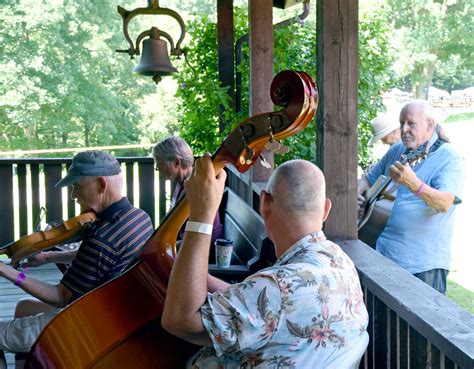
{"x":117,"y":325}
{"x":64,"y":232}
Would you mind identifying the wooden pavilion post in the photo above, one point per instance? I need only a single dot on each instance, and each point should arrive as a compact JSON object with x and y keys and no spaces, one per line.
{"x":261,"y":71}
{"x":225,"y":48}
{"x":337,"y":80}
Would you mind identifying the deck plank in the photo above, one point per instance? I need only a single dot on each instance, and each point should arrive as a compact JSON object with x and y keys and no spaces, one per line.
{"x":11,"y":294}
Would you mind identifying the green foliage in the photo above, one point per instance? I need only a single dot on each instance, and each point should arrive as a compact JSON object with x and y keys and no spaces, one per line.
{"x":62,"y":84}
{"x":200,"y":91}
{"x":375,"y":60}
{"x":205,"y":102}
{"x":294,"y":48}
{"x":460,"y":117}
{"x":197,"y":8}
{"x":435,"y":43}
{"x":454,"y":73}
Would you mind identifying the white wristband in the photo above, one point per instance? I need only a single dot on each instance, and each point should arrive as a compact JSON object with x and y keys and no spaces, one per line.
{"x":198,"y":227}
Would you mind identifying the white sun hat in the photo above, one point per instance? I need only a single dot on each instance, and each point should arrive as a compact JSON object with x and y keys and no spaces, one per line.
{"x":382,"y":125}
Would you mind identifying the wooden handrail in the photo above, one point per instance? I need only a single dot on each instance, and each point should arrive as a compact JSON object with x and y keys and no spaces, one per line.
{"x":431,"y":316}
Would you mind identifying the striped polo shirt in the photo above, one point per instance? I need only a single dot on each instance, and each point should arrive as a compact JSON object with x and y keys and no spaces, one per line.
{"x":108,"y":247}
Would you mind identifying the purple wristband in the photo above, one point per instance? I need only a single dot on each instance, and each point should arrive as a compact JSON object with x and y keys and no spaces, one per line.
{"x":420,"y":190}
{"x":21,"y":277}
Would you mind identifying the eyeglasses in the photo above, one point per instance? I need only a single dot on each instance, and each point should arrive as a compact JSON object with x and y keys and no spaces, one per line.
{"x":79,"y":184}
{"x":76,"y":187}
{"x":159,"y":166}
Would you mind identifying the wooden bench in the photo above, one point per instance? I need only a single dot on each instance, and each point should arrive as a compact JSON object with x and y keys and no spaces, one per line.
{"x":252,"y":248}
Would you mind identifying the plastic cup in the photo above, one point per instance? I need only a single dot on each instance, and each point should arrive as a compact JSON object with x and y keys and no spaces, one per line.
{"x":223,"y":252}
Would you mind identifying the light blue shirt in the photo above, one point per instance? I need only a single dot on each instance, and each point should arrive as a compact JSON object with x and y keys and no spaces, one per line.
{"x":307,"y":311}
{"x":417,"y":237}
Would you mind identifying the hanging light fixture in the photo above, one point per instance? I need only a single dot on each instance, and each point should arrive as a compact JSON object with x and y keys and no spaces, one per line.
{"x":155,"y":60}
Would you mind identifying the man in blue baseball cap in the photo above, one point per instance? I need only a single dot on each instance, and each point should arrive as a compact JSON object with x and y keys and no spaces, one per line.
{"x":107,"y":248}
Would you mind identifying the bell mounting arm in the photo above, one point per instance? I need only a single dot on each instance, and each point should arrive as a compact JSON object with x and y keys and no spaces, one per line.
{"x":153,"y":8}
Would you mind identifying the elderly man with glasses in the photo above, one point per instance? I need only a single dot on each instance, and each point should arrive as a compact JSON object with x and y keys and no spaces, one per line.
{"x":174,"y":159}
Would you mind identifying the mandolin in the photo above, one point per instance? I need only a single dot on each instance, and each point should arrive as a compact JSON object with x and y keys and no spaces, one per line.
{"x":118,"y":324}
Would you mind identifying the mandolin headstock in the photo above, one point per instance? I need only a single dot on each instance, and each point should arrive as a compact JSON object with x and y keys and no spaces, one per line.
{"x":413,"y":157}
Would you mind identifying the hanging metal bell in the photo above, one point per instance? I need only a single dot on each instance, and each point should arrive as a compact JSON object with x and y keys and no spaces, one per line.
{"x":155,"y":60}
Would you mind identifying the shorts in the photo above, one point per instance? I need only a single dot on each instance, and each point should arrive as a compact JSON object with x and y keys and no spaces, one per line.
{"x":19,"y":335}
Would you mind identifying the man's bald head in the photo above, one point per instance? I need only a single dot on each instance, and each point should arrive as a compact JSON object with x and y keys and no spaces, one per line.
{"x":298,"y":186}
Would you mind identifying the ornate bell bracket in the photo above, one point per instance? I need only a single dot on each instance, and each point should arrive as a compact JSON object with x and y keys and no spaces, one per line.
{"x":153,"y":8}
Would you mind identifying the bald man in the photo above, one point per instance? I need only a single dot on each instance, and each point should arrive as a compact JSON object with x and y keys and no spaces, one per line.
{"x":306,"y":311}
{"x":419,"y":230}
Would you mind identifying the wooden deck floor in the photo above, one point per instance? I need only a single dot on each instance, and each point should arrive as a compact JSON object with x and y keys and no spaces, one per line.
{"x":11,"y":294}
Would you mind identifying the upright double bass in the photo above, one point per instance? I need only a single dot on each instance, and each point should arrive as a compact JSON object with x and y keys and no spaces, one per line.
{"x":118,"y":324}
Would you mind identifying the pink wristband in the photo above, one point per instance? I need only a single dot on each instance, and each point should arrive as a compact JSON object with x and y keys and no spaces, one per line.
{"x":21,"y":277}
{"x":420,"y":190}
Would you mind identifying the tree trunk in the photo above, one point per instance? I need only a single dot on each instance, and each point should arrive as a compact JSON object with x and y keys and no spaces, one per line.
{"x":422,"y":77}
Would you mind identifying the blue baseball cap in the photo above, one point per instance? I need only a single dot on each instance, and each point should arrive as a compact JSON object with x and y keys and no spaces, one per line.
{"x":90,"y":163}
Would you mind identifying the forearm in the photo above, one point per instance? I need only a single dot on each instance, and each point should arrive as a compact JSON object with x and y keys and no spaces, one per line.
{"x":54,"y":295}
{"x":437,"y":200}
{"x":187,"y":290}
{"x":187,"y":287}
{"x":60,"y":257}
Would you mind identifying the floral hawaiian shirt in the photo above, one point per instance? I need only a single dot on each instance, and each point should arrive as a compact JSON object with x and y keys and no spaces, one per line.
{"x":306,"y":311}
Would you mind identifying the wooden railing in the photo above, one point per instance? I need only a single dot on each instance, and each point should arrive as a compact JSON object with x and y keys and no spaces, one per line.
{"x":411,"y":325}
{"x":27,"y":185}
